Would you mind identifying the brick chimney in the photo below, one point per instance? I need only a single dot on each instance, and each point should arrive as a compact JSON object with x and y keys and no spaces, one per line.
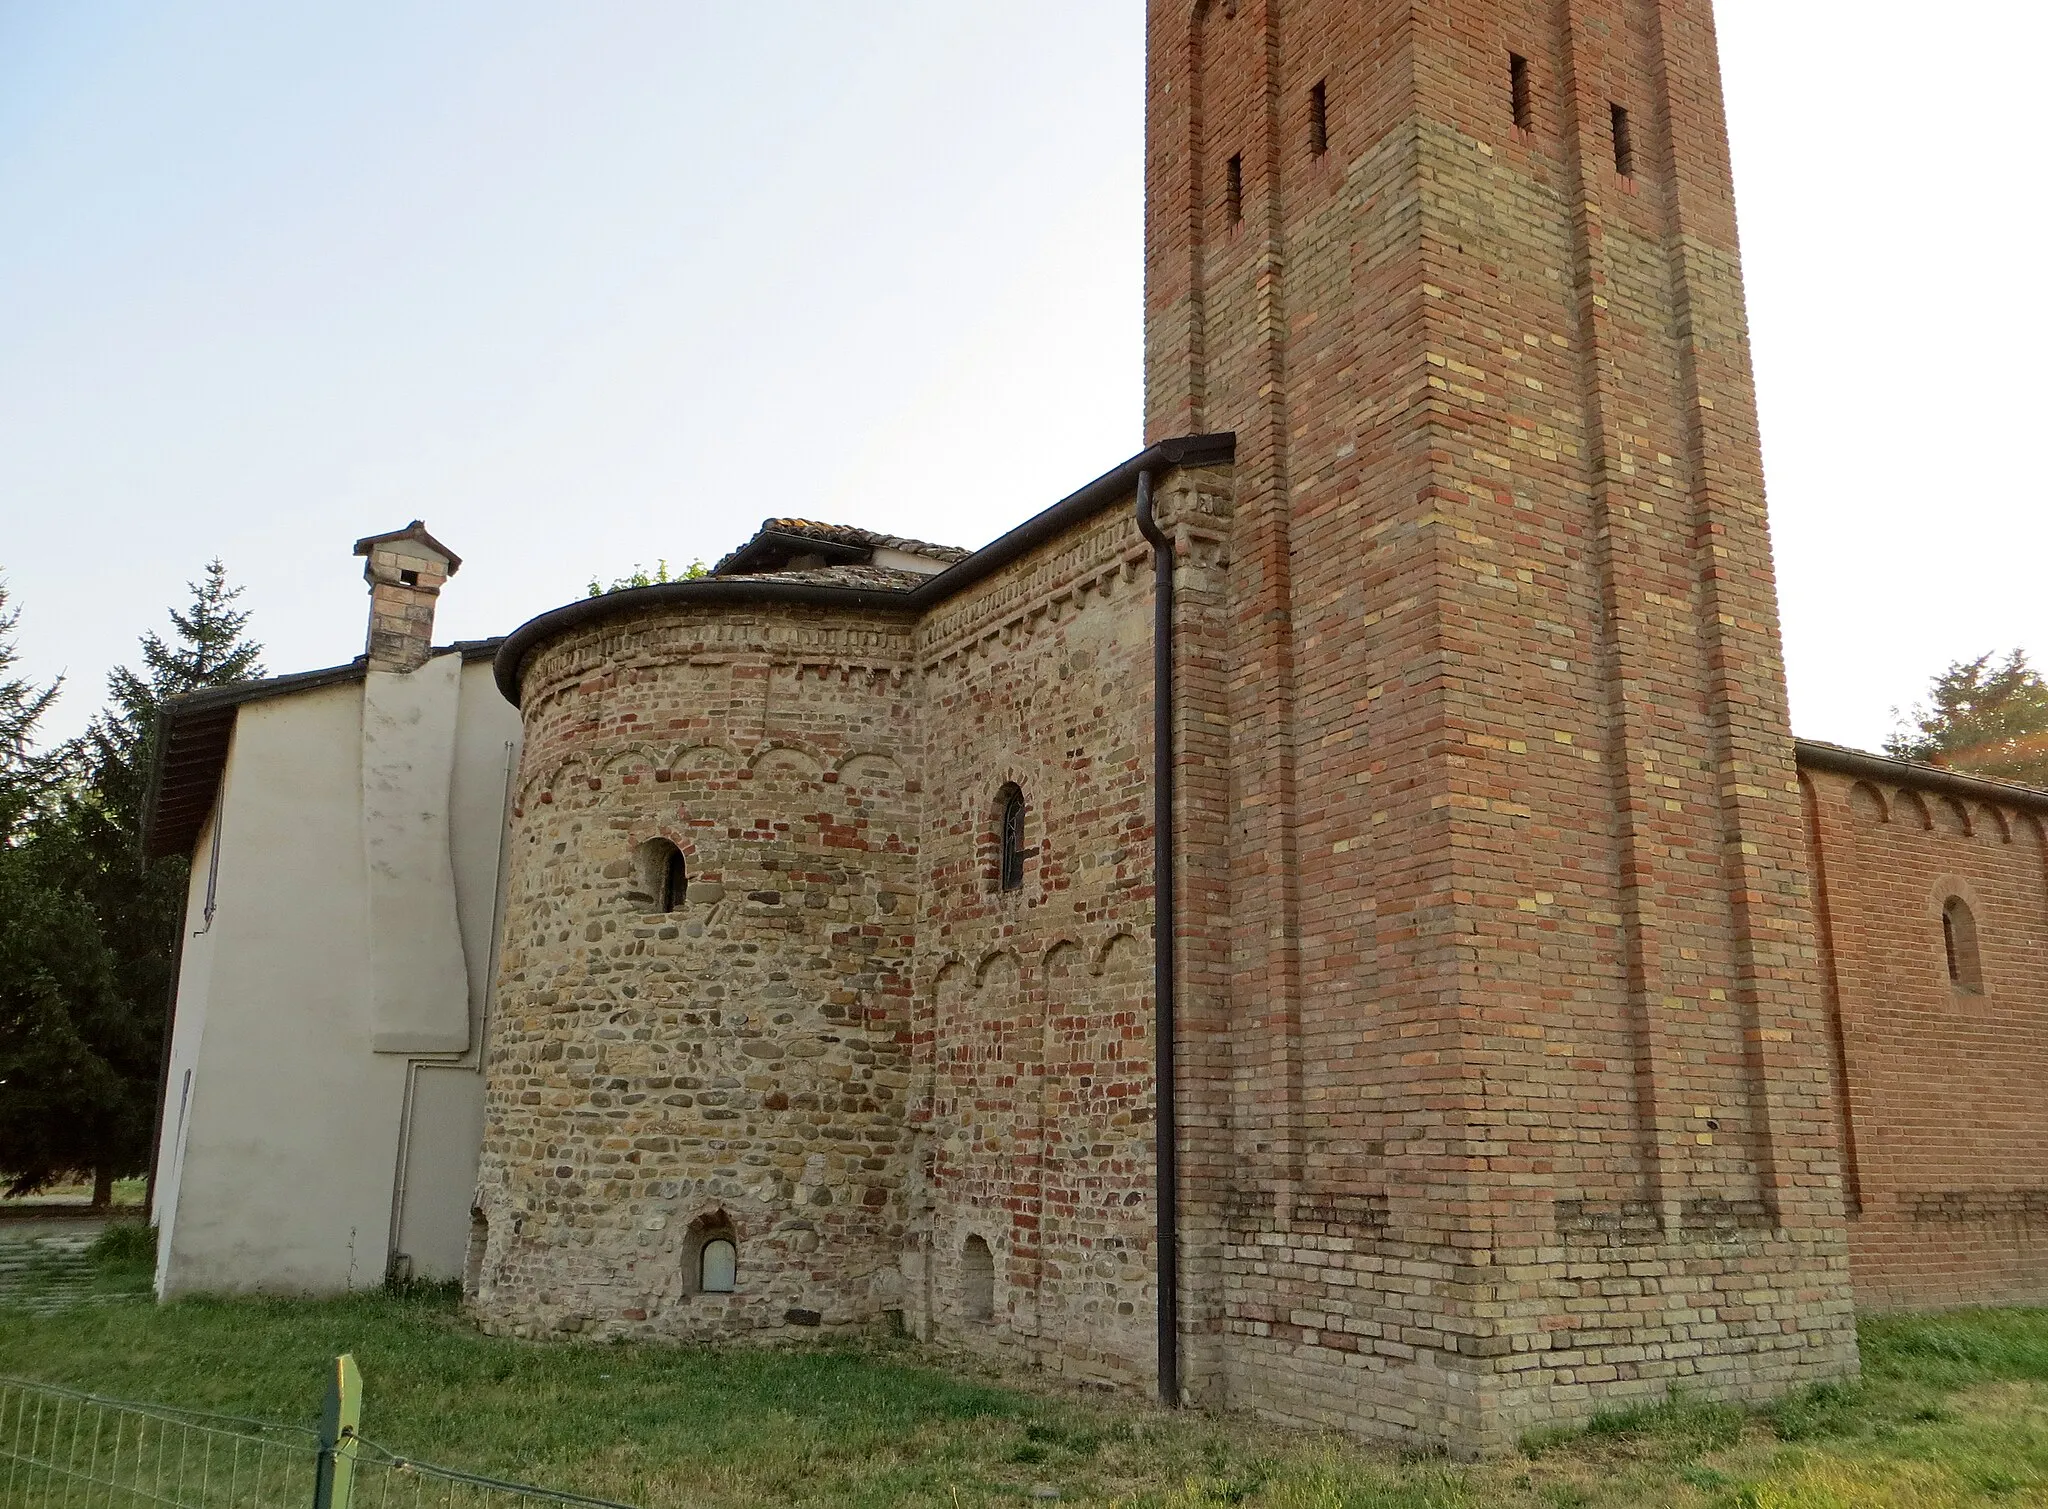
{"x":405,"y":571}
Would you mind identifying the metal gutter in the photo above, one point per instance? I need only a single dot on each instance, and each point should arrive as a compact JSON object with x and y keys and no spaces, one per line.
{"x":1108,"y":489}
{"x":1857,"y":762}
{"x":1166,"y":1137}
{"x":531,"y":635}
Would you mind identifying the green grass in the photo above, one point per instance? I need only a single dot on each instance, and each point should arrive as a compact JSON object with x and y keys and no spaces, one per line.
{"x":128,"y":1193}
{"x":1952,"y":1410}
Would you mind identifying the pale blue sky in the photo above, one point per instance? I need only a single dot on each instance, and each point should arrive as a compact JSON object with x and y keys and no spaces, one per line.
{"x":584,"y":285}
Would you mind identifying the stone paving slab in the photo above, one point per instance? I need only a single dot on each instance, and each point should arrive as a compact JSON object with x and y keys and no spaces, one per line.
{"x":44,"y":1267}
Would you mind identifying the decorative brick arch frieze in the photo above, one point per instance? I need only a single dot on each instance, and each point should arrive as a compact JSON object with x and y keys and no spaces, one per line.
{"x":786,"y":760}
{"x":2032,"y":830}
{"x":1952,"y":818}
{"x":1867,"y":802}
{"x":1909,"y":807}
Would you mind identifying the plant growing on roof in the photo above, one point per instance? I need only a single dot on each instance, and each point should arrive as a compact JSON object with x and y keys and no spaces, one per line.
{"x":642,"y":577}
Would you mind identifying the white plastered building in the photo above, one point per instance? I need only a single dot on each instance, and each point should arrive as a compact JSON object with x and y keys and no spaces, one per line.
{"x":323,"y":1097}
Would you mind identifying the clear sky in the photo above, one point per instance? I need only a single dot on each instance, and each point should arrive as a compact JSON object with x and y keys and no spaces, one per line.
{"x":588,"y":285}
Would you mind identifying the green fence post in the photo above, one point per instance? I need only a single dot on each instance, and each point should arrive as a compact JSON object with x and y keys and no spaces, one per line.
{"x":341,"y":1419}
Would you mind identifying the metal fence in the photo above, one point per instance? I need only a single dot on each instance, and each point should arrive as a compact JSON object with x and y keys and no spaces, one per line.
{"x":62,"y":1449}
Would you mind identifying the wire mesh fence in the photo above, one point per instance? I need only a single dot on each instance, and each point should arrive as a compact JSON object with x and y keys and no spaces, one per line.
{"x":63,"y":1449}
{"x":384,"y":1480}
{"x":59,"y":1447}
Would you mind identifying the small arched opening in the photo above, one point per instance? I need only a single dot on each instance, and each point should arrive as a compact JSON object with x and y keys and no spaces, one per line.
{"x":718,"y":1266}
{"x":711,"y":1256}
{"x":1959,"y":939}
{"x":473,"y":1259}
{"x":977,"y":1280}
{"x":661,"y":879}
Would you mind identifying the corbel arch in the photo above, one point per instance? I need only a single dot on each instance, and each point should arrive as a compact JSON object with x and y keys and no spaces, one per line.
{"x":1910,"y":810}
{"x":786,"y":759}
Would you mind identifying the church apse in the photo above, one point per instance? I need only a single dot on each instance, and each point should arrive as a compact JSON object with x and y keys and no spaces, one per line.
{"x":713,"y":1038}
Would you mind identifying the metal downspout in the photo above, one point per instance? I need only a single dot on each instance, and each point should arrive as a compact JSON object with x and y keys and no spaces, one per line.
{"x":1166,"y":1154}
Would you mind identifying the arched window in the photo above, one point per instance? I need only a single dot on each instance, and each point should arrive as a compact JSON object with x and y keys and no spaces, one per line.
{"x":977,"y":1280}
{"x":1959,"y":937}
{"x":718,"y":1266}
{"x":1010,"y":867}
{"x":711,"y":1255}
{"x":661,"y":880}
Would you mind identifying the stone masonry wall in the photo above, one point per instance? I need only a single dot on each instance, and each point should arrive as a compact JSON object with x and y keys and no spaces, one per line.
{"x":736,"y":1066}
{"x":1944,"y":1119}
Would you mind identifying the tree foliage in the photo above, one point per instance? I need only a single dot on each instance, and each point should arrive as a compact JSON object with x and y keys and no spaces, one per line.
{"x":87,"y":961}
{"x":23,"y":773}
{"x":119,"y":749}
{"x":642,"y":577}
{"x":1985,"y":716}
{"x":71,"y":1055}
{"x":55,"y":973}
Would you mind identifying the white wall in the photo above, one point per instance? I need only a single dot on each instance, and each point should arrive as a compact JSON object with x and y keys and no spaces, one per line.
{"x":283,"y":1173}
{"x":446,"y":1116}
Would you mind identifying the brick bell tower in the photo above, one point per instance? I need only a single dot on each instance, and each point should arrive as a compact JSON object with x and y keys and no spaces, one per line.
{"x":1530,"y":1108}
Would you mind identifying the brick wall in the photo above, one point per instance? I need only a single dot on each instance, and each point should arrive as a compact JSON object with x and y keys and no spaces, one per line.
{"x":1945,"y":1121}
{"x":1035,"y":1035}
{"x":1531,"y":1106}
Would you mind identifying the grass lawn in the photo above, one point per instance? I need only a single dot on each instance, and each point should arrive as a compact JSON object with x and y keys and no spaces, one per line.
{"x":128,"y":1194}
{"x":1953,"y":1410}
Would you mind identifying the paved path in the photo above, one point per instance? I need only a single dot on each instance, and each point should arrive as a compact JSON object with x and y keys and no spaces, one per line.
{"x":43,"y":1266}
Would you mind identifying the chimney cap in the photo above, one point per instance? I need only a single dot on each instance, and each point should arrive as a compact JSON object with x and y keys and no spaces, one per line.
{"x":416,"y":530}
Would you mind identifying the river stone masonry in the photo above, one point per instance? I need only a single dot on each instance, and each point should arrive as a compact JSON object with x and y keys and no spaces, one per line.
{"x":737,"y":1065}
{"x":845,"y":1047}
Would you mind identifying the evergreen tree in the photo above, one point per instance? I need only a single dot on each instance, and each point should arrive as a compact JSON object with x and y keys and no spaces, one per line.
{"x":89,"y":1037}
{"x":120,"y":746}
{"x":69,"y":1048}
{"x":1985,"y":717}
{"x":56,"y":978}
{"x":23,"y":773}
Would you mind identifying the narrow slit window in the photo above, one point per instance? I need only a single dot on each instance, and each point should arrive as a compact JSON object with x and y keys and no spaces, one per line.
{"x":1624,"y":144}
{"x":675,"y":882}
{"x":1233,"y":189}
{"x":1518,"y":92}
{"x":479,"y":1248}
{"x":1319,"y":119}
{"x":1010,"y":862}
{"x":1959,"y":938}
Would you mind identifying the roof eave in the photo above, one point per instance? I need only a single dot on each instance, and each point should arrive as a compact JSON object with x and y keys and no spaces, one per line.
{"x":193,"y":733}
{"x":1845,"y":761}
{"x":1167,"y":455}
